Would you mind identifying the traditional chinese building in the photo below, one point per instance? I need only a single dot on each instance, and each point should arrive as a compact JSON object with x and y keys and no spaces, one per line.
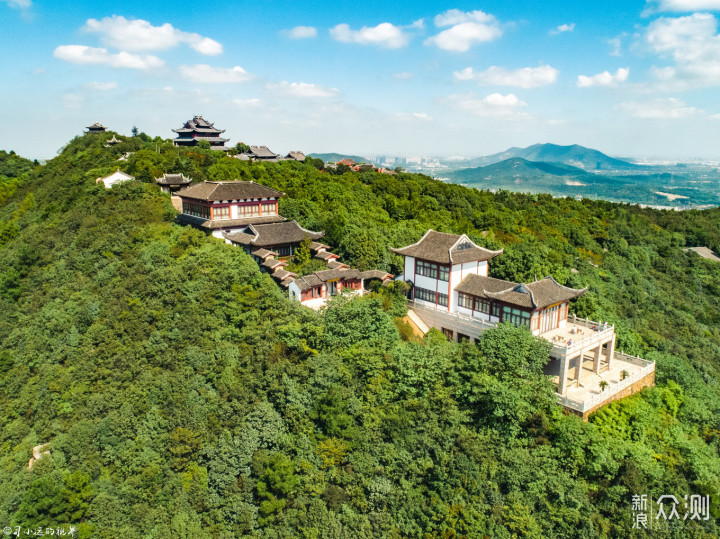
{"x":283,"y":238}
{"x":97,"y":127}
{"x":112,"y":142}
{"x":245,"y":214}
{"x":451,"y":291}
{"x":199,"y":129}
{"x":116,"y":177}
{"x":313,"y":290}
{"x":219,"y":207}
{"x":171,"y":183}
{"x":259,"y":153}
{"x":296,"y":155}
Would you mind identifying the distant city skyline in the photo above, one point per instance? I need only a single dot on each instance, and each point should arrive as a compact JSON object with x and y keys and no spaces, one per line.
{"x":631,"y":79}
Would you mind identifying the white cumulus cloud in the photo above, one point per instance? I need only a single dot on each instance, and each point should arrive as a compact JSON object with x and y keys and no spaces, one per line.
{"x":466,"y":29}
{"x":526,"y":77}
{"x":410,"y":116}
{"x":18,"y":4}
{"x":247,"y":103}
{"x":492,"y":105}
{"x":83,"y":55}
{"x":692,"y":43}
{"x":101,"y":86}
{"x":605,"y":78}
{"x":302,"y":89}
{"x":301,"y":32}
{"x":660,"y":109}
{"x":385,"y":35}
{"x":454,"y":16}
{"x":137,"y":35}
{"x":563,"y":28}
{"x":214,"y":75}
{"x":685,"y":5}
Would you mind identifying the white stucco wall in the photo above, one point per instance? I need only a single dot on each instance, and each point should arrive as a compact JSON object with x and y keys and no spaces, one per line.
{"x":409,"y":268}
{"x":294,"y":291}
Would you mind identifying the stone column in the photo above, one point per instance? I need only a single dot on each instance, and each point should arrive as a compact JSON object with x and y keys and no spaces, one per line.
{"x":563,"y":375}
{"x":610,"y":351}
{"x":596,"y":359}
{"x":578,"y":368}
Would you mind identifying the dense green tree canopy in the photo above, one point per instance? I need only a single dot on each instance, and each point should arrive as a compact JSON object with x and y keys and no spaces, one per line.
{"x":184,"y":395}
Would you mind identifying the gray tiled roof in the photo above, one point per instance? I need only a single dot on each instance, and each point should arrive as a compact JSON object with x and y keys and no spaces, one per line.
{"x":340,"y":273}
{"x":536,"y":295}
{"x":269,"y":235}
{"x":173,"y":179}
{"x":345,"y":273}
{"x":262,"y":253}
{"x":236,"y":190}
{"x":326,"y":255}
{"x":298,"y":156}
{"x":262,"y":152}
{"x":316,"y":246}
{"x":285,"y":283}
{"x":446,"y":248}
{"x":198,"y":123}
{"x":283,"y":275}
{"x":308,"y":281}
{"x":272,"y":263}
{"x":336,"y":264}
{"x":227,"y":223}
{"x":375,"y":274}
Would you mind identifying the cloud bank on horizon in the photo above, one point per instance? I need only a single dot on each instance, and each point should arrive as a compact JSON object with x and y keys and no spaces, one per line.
{"x":411,"y":78}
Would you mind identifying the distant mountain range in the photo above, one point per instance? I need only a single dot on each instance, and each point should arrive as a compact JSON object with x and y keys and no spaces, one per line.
{"x":517,"y":167}
{"x":600,"y":176}
{"x":575,"y":155}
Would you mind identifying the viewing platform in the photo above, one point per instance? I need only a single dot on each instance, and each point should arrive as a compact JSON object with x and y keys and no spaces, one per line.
{"x":578,"y":335}
{"x":626,"y":376}
{"x":583,"y":355}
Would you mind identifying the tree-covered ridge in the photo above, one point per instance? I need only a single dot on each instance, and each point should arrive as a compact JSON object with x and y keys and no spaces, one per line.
{"x":12,"y":165}
{"x":184,"y":395}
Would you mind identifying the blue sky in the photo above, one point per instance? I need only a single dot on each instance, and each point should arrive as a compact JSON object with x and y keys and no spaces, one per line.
{"x":442,"y":78}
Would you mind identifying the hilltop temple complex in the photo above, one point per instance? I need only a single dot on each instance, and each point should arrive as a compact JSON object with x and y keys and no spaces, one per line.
{"x":451,"y":291}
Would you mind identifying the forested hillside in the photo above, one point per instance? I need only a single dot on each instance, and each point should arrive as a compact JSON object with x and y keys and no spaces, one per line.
{"x":183,"y":395}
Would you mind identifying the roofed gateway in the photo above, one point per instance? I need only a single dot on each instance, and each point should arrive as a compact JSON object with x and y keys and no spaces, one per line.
{"x":199,"y":129}
{"x":451,"y":291}
{"x":170,"y":183}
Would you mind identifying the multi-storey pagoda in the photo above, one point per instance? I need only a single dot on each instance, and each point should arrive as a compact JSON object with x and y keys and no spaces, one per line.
{"x":199,"y":129}
{"x":97,"y":127}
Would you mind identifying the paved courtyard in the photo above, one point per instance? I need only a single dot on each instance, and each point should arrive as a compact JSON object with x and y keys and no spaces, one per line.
{"x":589,"y":386}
